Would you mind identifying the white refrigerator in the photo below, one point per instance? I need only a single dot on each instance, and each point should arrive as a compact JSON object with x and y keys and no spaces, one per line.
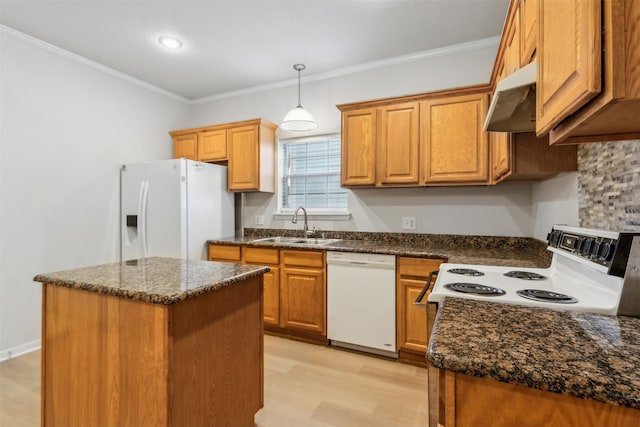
{"x":170,"y":208}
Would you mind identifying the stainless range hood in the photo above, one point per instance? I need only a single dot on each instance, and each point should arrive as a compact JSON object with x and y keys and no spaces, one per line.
{"x":513,"y":106}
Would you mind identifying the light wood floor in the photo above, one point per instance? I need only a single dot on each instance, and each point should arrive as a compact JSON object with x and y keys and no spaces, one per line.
{"x":305,"y":385}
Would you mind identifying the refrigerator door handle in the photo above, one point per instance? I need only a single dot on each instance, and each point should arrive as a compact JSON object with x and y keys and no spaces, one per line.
{"x":144,"y":193}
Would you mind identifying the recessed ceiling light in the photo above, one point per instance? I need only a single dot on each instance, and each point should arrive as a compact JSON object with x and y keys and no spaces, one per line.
{"x":170,"y":42}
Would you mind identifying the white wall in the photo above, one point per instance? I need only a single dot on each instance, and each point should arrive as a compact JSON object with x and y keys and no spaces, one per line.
{"x":502,"y":210}
{"x":65,"y":130}
{"x":554,"y":201}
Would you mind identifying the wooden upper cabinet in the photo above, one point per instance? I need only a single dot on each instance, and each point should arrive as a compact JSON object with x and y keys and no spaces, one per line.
{"x":613,"y":114}
{"x":212,"y":145}
{"x":500,"y":155}
{"x":186,"y":146}
{"x":569,"y":59}
{"x":359,"y":147}
{"x":528,"y":30}
{"x":512,"y":48}
{"x":251,"y":157}
{"x":455,"y":149}
{"x":247,"y":147}
{"x":398,"y":144}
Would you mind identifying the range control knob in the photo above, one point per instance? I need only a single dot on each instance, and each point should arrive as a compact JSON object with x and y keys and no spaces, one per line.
{"x":586,"y":247}
{"x":594,"y":249}
{"x":605,"y":252}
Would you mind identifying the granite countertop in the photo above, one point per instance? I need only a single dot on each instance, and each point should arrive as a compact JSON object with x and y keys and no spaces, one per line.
{"x":504,"y":251}
{"x":155,"y":280}
{"x":586,"y":355}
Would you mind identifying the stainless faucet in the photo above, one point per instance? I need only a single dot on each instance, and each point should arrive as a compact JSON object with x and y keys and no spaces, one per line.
{"x":305,"y":229}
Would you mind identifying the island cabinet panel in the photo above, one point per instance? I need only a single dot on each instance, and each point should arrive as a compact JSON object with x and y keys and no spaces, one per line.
{"x":186,"y":146}
{"x":359,"y":147}
{"x":212,"y":145}
{"x":455,"y":151}
{"x":467,"y":401}
{"x":207,"y":333}
{"x":411,"y":321}
{"x":569,"y":59}
{"x":111,"y":361}
{"x":398,"y":144}
{"x":88,"y":359}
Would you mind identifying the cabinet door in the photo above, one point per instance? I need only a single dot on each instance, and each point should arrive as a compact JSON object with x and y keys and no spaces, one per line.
{"x":512,"y":48}
{"x":456,"y":150}
{"x":212,"y":145}
{"x":412,"y":324}
{"x":528,"y":30}
{"x":398,"y":144}
{"x":569,"y":58}
{"x":303,"y":299}
{"x":244,"y":158}
{"x":411,"y":319}
{"x":271,"y":287}
{"x":359,"y":147}
{"x":500,"y":155}
{"x":186,"y":146}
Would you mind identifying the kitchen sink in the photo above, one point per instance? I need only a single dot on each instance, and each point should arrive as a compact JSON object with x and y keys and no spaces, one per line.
{"x":296,"y":241}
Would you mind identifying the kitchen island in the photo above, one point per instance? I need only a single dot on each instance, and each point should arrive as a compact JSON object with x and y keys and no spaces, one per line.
{"x":152,"y":342}
{"x":506,"y":365}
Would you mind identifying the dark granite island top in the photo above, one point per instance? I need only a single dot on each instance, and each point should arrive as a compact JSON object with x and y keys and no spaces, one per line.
{"x":155,"y":280}
{"x":585,"y":355}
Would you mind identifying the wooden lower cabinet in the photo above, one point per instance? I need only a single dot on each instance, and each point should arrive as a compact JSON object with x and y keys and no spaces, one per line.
{"x":271,"y":280}
{"x":303,"y":291}
{"x":294,"y":291}
{"x":411,"y":321}
{"x":464,"y":400}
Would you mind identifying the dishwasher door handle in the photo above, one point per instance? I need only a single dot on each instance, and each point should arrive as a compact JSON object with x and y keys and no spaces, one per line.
{"x":427,"y":288}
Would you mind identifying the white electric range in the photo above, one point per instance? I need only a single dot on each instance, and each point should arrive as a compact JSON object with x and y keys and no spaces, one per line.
{"x":586,"y":274}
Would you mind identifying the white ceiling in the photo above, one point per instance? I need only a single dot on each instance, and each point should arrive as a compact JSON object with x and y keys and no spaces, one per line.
{"x":232,"y":45}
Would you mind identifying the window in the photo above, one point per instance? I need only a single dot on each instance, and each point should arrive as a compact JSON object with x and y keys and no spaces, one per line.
{"x":310,"y":175}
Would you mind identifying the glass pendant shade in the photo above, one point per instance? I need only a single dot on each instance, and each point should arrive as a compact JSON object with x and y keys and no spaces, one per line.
{"x":299,"y":119}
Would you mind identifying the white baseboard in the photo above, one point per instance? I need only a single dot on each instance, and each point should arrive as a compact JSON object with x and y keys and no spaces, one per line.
{"x":19,"y":350}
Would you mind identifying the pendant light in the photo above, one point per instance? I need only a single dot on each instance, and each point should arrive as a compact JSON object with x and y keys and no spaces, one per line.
{"x":298,"y":119}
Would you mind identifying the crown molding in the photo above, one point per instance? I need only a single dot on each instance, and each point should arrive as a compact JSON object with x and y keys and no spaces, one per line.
{"x":374,"y":65}
{"x":89,"y":63}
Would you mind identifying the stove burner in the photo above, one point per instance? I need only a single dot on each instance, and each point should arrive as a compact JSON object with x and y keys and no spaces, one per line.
{"x":526,"y":275}
{"x":475,"y":289}
{"x":546,"y":296}
{"x":466,"y":271}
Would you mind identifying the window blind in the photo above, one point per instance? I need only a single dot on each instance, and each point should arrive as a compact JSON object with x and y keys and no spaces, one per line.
{"x":311,"y":175}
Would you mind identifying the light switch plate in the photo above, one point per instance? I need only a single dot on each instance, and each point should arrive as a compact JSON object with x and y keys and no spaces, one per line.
{"x":408,"y":222}
{"x":259,"y":219}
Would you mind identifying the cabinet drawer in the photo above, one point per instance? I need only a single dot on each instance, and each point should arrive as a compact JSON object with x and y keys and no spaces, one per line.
{"x":261,"y":256}
{"x":303,"y":258}
{"x":417,"y":267}
{"x":224,"y":253}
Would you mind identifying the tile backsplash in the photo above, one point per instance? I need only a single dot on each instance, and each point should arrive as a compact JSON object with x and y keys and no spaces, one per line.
{"x":609,"y":185}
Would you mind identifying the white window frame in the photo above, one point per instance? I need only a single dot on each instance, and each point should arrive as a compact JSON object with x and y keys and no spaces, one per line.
{"x":331,"y":214}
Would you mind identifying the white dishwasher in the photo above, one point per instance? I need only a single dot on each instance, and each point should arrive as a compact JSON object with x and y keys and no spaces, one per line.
{"x":361,"y":302}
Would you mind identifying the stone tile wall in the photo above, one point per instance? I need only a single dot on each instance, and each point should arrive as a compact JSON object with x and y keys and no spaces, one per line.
{"x":609,"y":185}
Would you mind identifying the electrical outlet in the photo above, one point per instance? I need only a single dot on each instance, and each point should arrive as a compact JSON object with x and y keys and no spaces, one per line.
{"x":259,"y":219}
{"x":408,"y":222}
